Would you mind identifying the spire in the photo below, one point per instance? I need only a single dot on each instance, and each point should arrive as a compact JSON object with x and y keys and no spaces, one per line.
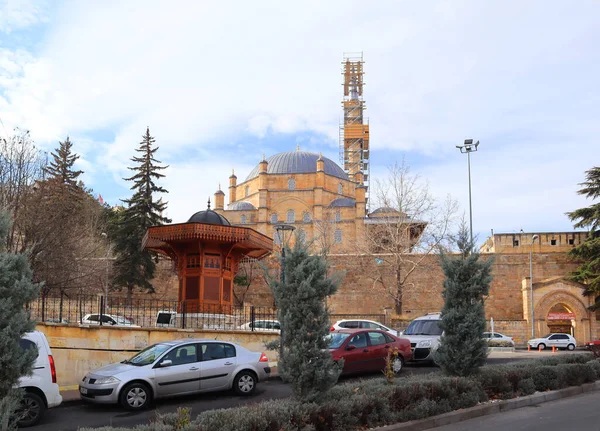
{"x":297,"y":147}
{"x":219,"y":186}
{"x":208,"y":208}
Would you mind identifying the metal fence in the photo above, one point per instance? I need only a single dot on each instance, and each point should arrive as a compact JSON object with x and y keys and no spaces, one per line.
{"x":149,"y":313}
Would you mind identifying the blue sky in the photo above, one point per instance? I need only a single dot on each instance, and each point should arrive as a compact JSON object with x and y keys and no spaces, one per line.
{"x":221,"y":83}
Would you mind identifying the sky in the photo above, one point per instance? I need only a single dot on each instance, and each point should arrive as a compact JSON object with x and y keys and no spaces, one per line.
{"x":219,"y":84}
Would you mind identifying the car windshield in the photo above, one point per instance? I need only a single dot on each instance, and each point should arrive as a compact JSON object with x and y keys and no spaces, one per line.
{"x":148,"y":355}
{"x":337,"y":339}
{"x":423,"y":327}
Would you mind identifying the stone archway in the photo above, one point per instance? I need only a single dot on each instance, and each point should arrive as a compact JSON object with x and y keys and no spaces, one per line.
{"x":558,"y":295}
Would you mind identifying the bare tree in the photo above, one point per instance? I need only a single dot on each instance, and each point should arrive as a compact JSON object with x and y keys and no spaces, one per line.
{"x":249,"y":271}
{"x":408,"y":225}
{"x":324,"y":231}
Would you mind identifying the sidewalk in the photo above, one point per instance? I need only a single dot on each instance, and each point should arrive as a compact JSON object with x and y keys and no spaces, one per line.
{"x":70,"y":394}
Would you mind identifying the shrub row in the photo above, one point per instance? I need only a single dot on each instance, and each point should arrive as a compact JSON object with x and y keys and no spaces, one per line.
{"x":375,"y":402}
{"x":500,"y":343}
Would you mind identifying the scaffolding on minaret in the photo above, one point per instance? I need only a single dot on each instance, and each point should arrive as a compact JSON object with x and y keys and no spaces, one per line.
{"x":354,"y":131}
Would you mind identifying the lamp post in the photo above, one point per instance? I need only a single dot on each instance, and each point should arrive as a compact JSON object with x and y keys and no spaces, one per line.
{"x":531,"y":284}
{"x":281,"y":230}
{"x":468,"y":148}
{"x":106,"y":282}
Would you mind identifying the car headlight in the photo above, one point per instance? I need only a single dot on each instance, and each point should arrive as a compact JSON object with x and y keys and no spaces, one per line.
{"x":106,"y":380}
{"x":424,"y":343}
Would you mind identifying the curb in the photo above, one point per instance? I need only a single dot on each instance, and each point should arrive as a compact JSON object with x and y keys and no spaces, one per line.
{"x":490,"y":408}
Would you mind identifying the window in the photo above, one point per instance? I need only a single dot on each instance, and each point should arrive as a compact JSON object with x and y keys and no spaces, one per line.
{"x":359,"y":340}
{"x":243,"y":219}
{"x":193,"y":260}
{"x":515,"y":242}
{"x":571,"y":241}
{"x":290,"y":217}
{"x":274,"y":218}
{"x":291,"y":184}
{"x":552,"y":242}
{"x":306,"y":217}
{"x":337,"y":236}
{"x":389,"y":338}
{"x":27,"y":344}
{"x":212,"y":351}
{"x":340,"y":188}
{"x":350,"y":324}
{"x":376,"y":338}
{"x":247,"y":190}
{"x":338,"y":216}
{"x":93,"y":318}
{"x":182,"y":355}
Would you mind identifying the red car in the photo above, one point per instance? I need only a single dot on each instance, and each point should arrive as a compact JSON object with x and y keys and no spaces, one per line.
{"x":589,"y":344}
{"x":365,"y":350}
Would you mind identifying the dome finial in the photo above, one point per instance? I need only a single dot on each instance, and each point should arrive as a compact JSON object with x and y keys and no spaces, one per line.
{"x":320,"y":156}
{"x":297,"y":147}
{"x":208,"y":208}
{"x":219,"y":186}
{"x":264,"y":157}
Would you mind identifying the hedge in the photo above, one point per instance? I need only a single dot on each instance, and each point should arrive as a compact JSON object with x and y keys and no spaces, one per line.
{"x":375,"y":402}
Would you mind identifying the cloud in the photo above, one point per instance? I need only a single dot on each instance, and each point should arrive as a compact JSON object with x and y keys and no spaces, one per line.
{"x":215,"y":80}
{"x":19,"y":14}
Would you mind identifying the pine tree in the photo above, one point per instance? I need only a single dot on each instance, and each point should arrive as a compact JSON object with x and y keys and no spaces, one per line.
{"x":135,"y":267}
{"x":589,"y":250}
{"x":61,"y":167}
{"x":16,"y":290}
{"x":306,"y":363}
{"x":462,"y":348}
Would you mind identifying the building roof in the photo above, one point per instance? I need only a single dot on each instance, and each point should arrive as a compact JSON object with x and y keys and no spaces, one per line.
{"x":209,"y":217}
{"x":343,"y":202}
{"x":298,"y":162}
{"x":384,"y":210}
{"x":241,"y":206}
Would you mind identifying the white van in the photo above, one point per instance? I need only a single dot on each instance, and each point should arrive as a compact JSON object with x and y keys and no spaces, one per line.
{"x":424,"y":335}
{"x":41,"y":390}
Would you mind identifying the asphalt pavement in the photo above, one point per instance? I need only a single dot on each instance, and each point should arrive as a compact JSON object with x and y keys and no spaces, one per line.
{"x":574,"y":413}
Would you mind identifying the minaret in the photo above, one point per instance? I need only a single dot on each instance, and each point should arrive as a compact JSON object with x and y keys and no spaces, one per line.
{"x":232,"y":187}
{"x":219,"y":199}
{"x":354,"y":133}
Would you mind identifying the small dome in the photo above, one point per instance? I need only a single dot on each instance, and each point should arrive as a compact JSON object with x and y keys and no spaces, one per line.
{"x":385,"y":210}
{"x":343,"y":202}
{"x":299,"y":162}
{"x":241,"y":206}
{"x":209,"y":217}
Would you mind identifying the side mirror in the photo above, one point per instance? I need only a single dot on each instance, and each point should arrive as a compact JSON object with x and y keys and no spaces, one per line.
{"x":351,"y":347}
{"x":166,"y":363}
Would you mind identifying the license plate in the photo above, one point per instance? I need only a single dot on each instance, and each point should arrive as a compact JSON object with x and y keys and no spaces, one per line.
{"x":83,"y":391}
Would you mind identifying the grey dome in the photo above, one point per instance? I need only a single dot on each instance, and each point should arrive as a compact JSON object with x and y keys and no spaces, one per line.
{"x":384,"y":210}
{"x":241,"y":206}
{"x":343,"y":202}
{"x":209,"y":217}
{"x":299,"y":162}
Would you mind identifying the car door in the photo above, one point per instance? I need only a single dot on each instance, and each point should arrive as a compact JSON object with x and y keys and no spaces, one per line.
{"x":554,"y":340}
{"x":356,"y":359}
{"x":182,"y":376}
{"x":379,"y":348}
{"x":218,"y":363}
{"x":562,"y":341}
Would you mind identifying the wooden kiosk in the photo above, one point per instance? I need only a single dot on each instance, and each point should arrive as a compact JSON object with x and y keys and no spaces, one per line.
{"x":206,"y":251}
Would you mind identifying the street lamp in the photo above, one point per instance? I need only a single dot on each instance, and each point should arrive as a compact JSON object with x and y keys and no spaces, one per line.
{"x":531,"y":284}
{"x":282,"y":230}
{"x":106,"y":283}
{"x":468,"y":148}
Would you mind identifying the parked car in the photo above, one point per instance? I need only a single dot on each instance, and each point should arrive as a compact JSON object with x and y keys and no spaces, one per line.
{"x":561,"y":341}
{"x":41,"y":390}
{"x":424,"y":335}
{"x":262,"y":325}
{"x":589,"y":344}
{"x":365,"y":350}
{"x":496,"y":336}
{"x":107,"y":319}
{"x":176,"y":368}
{"x":362,"y":324}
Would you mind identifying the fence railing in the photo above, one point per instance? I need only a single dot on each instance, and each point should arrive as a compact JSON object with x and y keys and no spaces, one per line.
{"x":150,"y":313}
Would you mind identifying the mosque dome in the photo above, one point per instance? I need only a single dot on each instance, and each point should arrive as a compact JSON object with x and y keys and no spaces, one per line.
{"x":299,"y":162}
{"x":209,"y":217}
{"x":241,"y":206}
{"x":342,"y":202}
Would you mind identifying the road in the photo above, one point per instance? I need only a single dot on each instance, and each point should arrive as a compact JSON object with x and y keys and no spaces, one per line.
{"x":574,"y":413}
{"x":72,"y":416}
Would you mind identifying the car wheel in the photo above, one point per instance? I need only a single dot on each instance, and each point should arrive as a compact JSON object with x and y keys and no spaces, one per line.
{"x":244,"y":383}
{"x":541,"y":346}
{"x":397,"y":364}
{"x":31,"y":410}
{"x":571,"y":347}
{"x":135,"y":396}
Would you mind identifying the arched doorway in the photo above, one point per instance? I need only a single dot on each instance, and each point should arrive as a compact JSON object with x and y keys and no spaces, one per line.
{"x":561,"y":319}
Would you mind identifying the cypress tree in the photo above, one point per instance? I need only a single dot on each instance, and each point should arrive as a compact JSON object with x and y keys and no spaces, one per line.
{"x":588,"y":251}
{"x":306,"y":362}
{"x":462,"y":348}
{"x":135,"y":267}
{"x":16,"y":290}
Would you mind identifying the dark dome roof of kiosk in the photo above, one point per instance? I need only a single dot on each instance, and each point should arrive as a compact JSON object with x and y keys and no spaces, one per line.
{"x":241,"y":206}
{"x":209,"y":217}
{"x":298,"y":162}
{"x":343,"y":202}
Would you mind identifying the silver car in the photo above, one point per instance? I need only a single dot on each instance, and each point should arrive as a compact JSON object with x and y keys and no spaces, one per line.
{"x":176,"y":368}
